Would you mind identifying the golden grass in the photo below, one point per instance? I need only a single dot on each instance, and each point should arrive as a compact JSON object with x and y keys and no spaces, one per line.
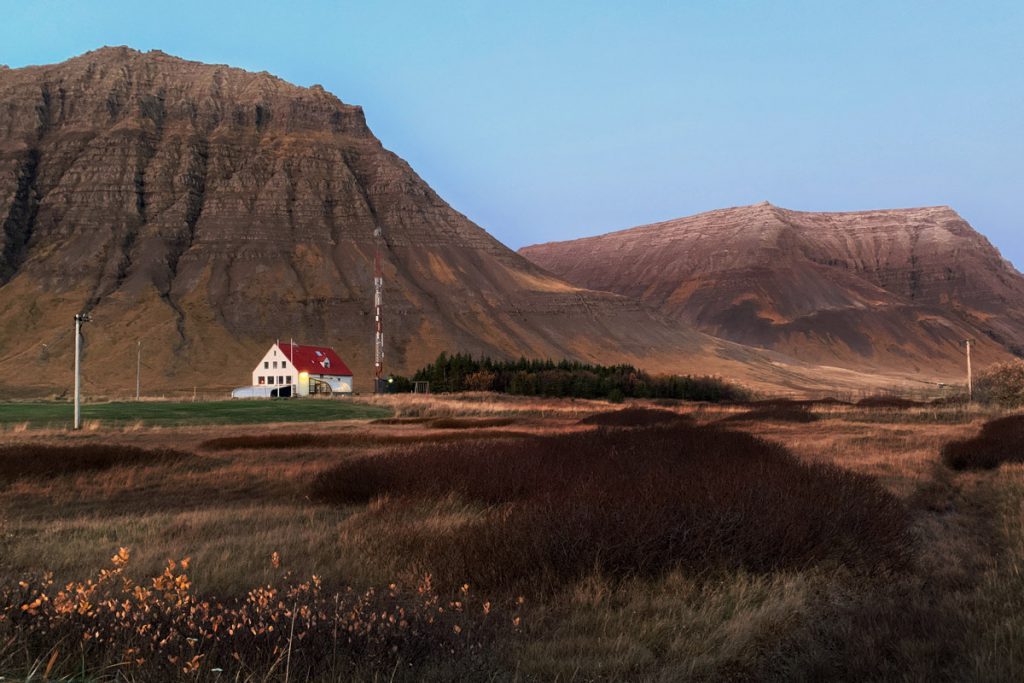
{"x":957,"y":614}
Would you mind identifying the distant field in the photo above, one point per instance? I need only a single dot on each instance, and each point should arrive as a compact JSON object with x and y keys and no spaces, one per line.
{"x":57,"y":415}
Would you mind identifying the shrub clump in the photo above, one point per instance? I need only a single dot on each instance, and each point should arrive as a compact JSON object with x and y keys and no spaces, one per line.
{"x":626,"y":502}
{"x":888,"y":402}
{"x":114,"y":628}
{"x":35,"y":460}
{"x":1000,"y":441}
{"x":471,"y":422}
{"x":633,"y":417}
{"x":333,"y":440}
{"x":1003,"y":384}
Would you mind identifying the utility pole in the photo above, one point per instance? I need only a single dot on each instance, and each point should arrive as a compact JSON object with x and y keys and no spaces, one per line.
{"x":138,"y":372}
{"x":970,"y":374}
{"x":79,"y":319}
{"x":378,"y":305}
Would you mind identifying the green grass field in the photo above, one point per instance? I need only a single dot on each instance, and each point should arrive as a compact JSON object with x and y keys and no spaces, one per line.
{"x":56,"y":415}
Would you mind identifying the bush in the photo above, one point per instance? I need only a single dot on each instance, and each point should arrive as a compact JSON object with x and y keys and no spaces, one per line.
{"x":112,"y":628}
{"x":888,"y":402}
{"x":34,"y":460}
{"x":623,"y":503}
{"x":999,"y":441}
{"x":471,"y":422}
{"x":1002,"y":384}
{"x":351,"y":439}
{"x":633,"y":417}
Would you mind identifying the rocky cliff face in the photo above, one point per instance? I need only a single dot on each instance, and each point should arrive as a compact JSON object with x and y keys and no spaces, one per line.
{"x":206,"y":211}
{"x":870,"y":290}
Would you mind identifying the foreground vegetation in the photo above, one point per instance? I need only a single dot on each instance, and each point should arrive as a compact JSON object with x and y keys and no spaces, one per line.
{"x":517,"y":541}
{"x":58,"y":415}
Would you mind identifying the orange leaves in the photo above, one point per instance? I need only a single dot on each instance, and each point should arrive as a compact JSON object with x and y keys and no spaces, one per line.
{"x":121,"y":558}
{"x":160,"y":629}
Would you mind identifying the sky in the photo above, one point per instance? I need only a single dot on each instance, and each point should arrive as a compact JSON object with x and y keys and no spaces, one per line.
{"x":547,"y":120}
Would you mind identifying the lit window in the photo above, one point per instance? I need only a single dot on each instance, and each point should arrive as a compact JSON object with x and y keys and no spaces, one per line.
{"x":263,"y":380}
{"x":270,"y":380}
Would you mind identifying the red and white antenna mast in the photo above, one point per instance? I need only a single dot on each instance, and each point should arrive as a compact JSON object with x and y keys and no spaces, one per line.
{"x":378,"y":312}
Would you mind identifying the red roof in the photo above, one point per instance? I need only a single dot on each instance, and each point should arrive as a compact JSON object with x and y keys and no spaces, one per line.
{"x":316,"y":360}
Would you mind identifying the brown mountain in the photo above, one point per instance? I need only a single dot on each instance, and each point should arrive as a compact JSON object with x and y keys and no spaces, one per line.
{"x":207,"y":211}
{"x":882,"y":291}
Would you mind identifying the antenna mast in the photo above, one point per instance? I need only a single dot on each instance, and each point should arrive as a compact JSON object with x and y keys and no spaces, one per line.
{"x":378,"y":311}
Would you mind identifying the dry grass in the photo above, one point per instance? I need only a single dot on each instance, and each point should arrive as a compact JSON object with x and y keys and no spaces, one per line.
{"x":484,"y":404}
{"x":953,"y":613}
{"x":41,"y":461}
{"x":779,"y":413}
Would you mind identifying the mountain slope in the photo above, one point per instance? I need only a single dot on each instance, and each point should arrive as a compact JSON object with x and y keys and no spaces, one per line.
{"x":878,"y":291}
{"x":206,"y":211}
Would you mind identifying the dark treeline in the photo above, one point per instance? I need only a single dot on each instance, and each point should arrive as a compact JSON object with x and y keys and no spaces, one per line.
{"x":461,"y":372}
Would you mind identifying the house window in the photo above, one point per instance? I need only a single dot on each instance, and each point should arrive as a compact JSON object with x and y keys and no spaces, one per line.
{"x":270,"y":380}
{"x":275,"y":363}
{"x":280,"y":379}
{"x":266,"y":365}
{"x":289,"y":378}
{"x":263,"y":380}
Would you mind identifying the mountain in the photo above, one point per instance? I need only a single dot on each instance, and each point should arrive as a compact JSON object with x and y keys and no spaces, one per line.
{"x":874,"y":291}
{"x":206,"y":211}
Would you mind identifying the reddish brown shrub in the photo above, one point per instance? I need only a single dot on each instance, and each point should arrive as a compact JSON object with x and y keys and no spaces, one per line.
{"x":401,"y":420}
{"x":35,"y":460}
{"x":999,"y":441}
{"x":333,"y":440}
{"x":471,"y":422}
{"x":633,"y":417}
{"x":1002,"y":383}
{"x":888,"y":402}
{"x":629,"y":502}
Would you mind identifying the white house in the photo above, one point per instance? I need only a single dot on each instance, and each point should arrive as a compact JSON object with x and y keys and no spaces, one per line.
{"x":302,"y":370}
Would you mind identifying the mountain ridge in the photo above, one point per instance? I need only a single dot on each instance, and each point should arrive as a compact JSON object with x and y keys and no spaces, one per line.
{"x":206,"y":211}
{"x":857,"y":289}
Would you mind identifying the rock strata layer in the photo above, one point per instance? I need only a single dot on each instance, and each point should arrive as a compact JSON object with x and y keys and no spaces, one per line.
{"x":206,"y":211}
{"x":883,"y":290}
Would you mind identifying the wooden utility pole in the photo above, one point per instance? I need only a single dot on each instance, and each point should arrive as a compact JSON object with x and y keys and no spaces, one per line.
{"x":970,"y":374}
{"x":138,"y":372}
{"x":378,"y":313}
{"x":79,"y":319}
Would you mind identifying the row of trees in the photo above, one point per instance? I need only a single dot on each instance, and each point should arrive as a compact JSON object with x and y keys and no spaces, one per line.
{"x":461,"y":372}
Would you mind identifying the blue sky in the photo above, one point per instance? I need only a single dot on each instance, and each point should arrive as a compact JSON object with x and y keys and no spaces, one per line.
{"x":552,"y":120}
